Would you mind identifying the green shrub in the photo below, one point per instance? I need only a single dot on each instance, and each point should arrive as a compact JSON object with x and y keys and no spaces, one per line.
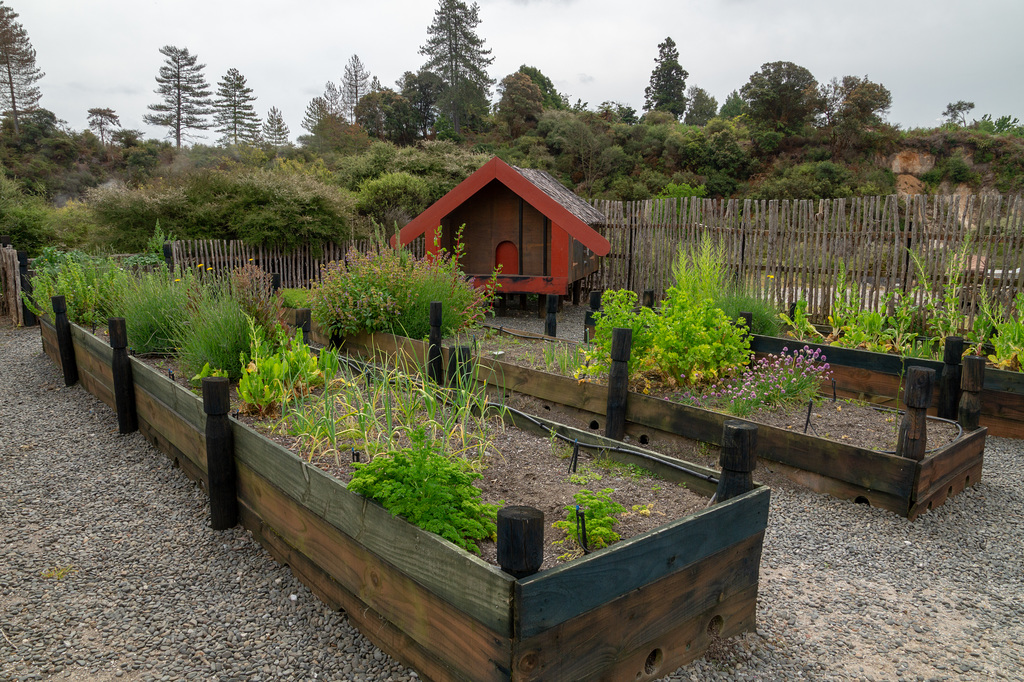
{"x":295,"y":298}
{"x":154,"y":306}
{"x":90,"y":287}
{"x":254,"y":290}
{"x":599,"y":512}
{"x":216,"y":331}
{"x":393,"y":198}
{"x":764,"y":317}
{"x":430,"y":490}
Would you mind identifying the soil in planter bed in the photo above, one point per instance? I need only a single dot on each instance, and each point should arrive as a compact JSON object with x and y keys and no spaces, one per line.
{"x":526,"y":469}
{"x":846,"y":421}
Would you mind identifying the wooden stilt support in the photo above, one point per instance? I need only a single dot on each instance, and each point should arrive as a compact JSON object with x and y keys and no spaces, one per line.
{"x":551,"y":321}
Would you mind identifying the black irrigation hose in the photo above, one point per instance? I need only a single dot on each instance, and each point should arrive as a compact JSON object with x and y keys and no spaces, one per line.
{"x":609,"y":448}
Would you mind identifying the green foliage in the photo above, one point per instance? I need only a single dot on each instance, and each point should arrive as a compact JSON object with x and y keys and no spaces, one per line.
{"x":799,"y":324}
{"x":781,"y":96}
{"x":390,"y":290}
{"x":764,"y":317}
{"x":89,"y":285}
{"x":1008,"y":343}
{"x":154,"y":306}
{"x":430,"y":490}
{"x":24,"y":218}
{"x":599,"y":511}
{"x":667,"y":89}
{"x":674,"y":191}
{"x":254,"y":290}
{"x":812,"y":180}
{"x":393,"y":198}
{"x":294,"y":298}
{"x":259,"y":207}
{"x":275,"y":370}
{"x":619,"y":311}
{"x":205,"y":372}
{"x":700,"y":270}
{"x":216,"y":331}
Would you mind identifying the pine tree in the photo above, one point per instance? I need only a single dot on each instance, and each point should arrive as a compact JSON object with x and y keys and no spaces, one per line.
{"x":456,"y":54}
{"x":102,"y":120}
{"x":275,"y":130}
{"x":354,"y":84}
{"x":234,"y":114}
{"x":667,"y":89}
{"x":18,"y":71}
{"x":185,"y":92}
{"x":702,"y":107}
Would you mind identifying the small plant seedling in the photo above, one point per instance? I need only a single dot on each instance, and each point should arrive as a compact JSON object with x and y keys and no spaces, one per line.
{"x":59,"y":572}
{"x":585,"y":476}
{"x":599,"y":512}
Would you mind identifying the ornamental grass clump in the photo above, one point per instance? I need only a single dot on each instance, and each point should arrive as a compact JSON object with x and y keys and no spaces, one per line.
{"x":773,"y":381}
{"x":154,"y":305}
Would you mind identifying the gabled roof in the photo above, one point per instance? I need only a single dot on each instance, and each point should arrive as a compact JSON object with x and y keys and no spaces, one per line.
{"x":535,"y":187}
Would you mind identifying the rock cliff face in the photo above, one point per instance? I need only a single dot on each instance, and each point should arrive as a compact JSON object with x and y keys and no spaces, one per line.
{"x":909,"y":185}
{"x":910,"y":162}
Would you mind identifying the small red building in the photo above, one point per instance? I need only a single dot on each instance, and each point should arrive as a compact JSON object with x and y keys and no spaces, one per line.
{"x":541,"y":234}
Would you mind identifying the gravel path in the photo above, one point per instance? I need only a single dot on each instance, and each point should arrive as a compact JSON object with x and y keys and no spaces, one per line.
{"x":108,"y":570}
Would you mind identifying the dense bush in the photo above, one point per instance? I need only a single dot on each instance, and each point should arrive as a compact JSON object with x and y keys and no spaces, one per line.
{"x":89,"y":285}
{"x":393,"y":198}
{"x":259,"y":207}
{"x":215,"y":332}
{"x":154,"y":306}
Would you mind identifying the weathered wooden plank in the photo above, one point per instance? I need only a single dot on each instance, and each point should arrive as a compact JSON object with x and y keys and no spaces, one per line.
{"x":462,"y":642}
{"x":563,"y":593}
{"x":164,"y":420}
{"x":48,"y":333}
{"x":841,"y":489}
{"x":95,"y":345}
{"x":95,"y":384}
{"x":937,"y":469}
{"x":585,"y":396}
{"x":375,"y":627}
{"x":954,"y":485}
{"x":692,"y":422}
{"x":186,"y":404}
{"x":179,"y":458}
{"x":649,"y":632}
{"x":460,"y":578}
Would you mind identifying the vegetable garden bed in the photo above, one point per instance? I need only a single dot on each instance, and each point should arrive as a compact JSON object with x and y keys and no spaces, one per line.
{"x":635,"y":610}
{"x":905,"y":486}
{"x":875,"y":377}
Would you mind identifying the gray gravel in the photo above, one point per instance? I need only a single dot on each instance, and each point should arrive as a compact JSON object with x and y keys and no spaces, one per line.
{"x":151,"y":593}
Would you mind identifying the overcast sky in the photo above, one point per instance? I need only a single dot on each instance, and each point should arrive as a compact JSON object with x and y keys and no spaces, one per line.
{"x":104,"y":53}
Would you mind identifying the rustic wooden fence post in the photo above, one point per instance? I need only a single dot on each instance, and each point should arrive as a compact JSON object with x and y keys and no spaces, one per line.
{"x":912,"y":440}
{"x":304,"y":322}
{"x":971,"y":382}
{"x":460,"y":366}
{"x":748,"y":321}
{"x":275,"y":282}
{"x":168,"y":249}
{"x":520,"y":540}
{"x":220,"y":453}
{"x":738,"y":459}
{"x":949,"y":380}
{"x":65,"y":344}
{"x":551,"y":321}
{"x":124,"y":383}
{"x":435,"y":368}
{"x":27,"y":316}
{"x":618,"y":383}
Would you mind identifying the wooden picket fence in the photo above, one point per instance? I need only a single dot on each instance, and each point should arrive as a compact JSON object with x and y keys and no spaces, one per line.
{"x":297,"y":268}
{"x":786,"y":251}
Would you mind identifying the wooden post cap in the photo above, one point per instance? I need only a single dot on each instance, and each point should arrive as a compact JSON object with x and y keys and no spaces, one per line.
{"x":739,"y":446}
{"x":622,"y":342}
{"x":59,"y":304}
{"x":435,"y":314}
{"x":972,"y":377}
{"x":520,"y":540}
{"x":595,"y":300}
{"x":216,"y":395}
{"x":118,"y":332}
{"x":953,"y":350}
{"x":918,"y":390}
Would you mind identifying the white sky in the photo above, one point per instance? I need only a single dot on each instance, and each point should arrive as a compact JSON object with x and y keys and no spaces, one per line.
{"x":104,"y":53}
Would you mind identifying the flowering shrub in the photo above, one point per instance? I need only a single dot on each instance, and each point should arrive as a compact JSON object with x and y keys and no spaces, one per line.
{"x":391,"y":291}
{"x":774,"y":380}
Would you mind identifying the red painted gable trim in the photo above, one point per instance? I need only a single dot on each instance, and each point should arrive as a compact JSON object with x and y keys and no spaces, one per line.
{"x":496,"y":169}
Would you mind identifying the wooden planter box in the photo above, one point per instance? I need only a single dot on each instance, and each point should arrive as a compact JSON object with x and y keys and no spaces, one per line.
{"x":636,"y":610}
{"x":905,"y":486}
{"x":875,"y":377}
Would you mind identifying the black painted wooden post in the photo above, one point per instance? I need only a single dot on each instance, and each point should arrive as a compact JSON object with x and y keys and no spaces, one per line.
{"x":275,"y":282}
{"x":520,"y":540}
{"x":168,"y":249}
{"x":303,"y":321}
{"x":648,"y":298}
{"x":595,"y":300}
{"x":738,"y":459}
{"x":220,"y":453}
{"x":124,"y":384}
{"x":65,"y":345}
{"x":618,"y":383}
{"x":912,"y":439}
{"x":551,"y":321}
{"x":460,"y":366}
{"x":971,"y":382}
{"x":589,"y":326}
{"x":949,"y":381}
{"x":27,"y":316}
{"x":792,"y":310}
{"x":748,"y":320}
{"x":435,"y":367}
{"x":5,"y":240}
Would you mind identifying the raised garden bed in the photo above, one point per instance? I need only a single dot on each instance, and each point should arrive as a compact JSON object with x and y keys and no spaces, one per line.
{"x":875,"y":377}
{"x":636,"y":610}
{"x":905,"y":486}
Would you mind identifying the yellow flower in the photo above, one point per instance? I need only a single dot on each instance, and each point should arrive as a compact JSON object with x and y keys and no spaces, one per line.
{"x":771,"y":276}
{"x":250,"y":260}
{"x":200,"y":265}
{"x":177,"y":280}
{"x":208,"y":269}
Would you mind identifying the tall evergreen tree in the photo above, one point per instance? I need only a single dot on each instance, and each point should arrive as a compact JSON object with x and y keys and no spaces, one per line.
{"x":275,"y":130}
{"x":782,"y":95}
{"x":456,"y":53}
{"x":702,"y":107}
{"x":733,"y":105}
{"x":103,"y":120}
{"x":185,"y":93}
{"x":667,"y":89}
{"x":422,"y":90}
{"x":355,"y":83}
{"x":18,"y":71}
{"x":233,"y":113}
{"x":552,"y":99}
